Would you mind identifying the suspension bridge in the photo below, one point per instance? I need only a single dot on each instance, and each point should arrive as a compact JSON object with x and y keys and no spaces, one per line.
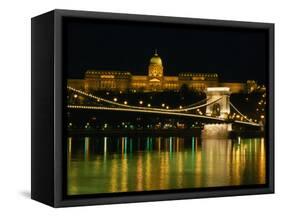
{"x":217,"y":107}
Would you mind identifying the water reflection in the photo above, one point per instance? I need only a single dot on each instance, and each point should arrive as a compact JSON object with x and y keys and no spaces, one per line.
{"x":121,"y":164}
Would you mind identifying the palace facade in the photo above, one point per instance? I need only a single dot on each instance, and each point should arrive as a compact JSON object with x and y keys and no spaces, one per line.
{"x":155,"y":80}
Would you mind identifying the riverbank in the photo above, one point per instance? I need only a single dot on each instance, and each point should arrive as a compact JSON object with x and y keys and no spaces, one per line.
{"x":194,"y":132}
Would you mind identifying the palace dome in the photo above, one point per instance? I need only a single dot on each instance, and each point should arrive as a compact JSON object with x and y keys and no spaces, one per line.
{"x":156,"y":59}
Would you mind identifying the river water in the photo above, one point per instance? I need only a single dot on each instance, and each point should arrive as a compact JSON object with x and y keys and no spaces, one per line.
{"x":124,"y":164}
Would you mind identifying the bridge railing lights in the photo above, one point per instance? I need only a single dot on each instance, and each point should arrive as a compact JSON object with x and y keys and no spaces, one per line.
{"x":165,"y":108}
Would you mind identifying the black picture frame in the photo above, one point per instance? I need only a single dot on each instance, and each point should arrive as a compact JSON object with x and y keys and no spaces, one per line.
{"x":47,"y":178}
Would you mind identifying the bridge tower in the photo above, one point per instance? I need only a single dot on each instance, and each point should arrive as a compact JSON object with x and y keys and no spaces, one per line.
{"x":221,"y":108}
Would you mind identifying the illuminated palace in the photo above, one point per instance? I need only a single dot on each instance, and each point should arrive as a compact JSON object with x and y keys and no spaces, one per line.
{"x":95,"y":80}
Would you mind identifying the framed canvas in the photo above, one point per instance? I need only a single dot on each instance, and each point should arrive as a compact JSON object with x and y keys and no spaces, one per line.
{"x":131,"y":108}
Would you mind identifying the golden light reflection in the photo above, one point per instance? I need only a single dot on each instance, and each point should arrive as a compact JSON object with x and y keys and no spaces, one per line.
{"x":139,"y":178}
{"x":198,"y":165}
{"x":124,"y":176}
{"x":237,"y":163}
{"x":163,"y":163}
{"x":147,"y":175}
{"x":262,"y":163}
{"x":180,"y":166}
{"x":114,"y":176}
{"x":158,"y":141}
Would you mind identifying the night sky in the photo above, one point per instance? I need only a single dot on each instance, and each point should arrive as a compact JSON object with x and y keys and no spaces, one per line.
{"x":235,"y":54}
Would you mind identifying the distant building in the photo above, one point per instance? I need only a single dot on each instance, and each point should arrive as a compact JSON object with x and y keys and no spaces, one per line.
{"x":251,"y":86}
{"x":95,"y":80}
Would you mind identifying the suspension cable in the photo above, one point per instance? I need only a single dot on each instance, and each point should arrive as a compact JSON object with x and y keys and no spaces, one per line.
{"x":244,"y":116}
{"x":189,"y":108}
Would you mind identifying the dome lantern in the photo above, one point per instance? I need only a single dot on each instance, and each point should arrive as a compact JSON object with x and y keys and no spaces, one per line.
{"x":155,"y":68}
{"x":156,"y":59}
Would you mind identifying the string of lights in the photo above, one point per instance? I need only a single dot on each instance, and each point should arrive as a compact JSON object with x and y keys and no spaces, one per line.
{"x":189,"y":108}
{"x":244,"y":116}
{"x":157,"y":112}
{"x":126,"y":107}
